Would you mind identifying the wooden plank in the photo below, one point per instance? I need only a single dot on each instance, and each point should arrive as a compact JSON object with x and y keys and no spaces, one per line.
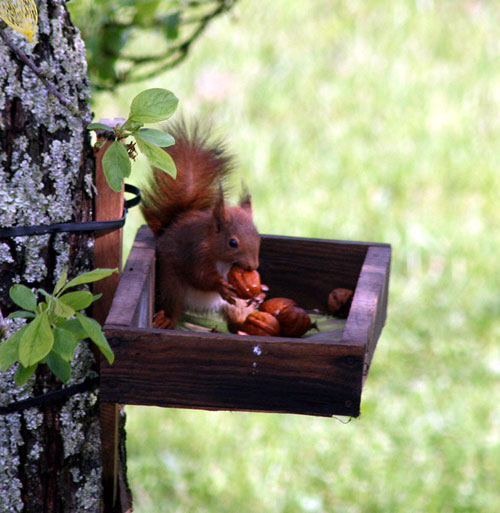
{"x":308,"y":269}
{"x":108,"y":254}
{"x":225,"y":372}
{"x":107,"y":244}
{"x":133,"y":304}
{"x":369,"y":306}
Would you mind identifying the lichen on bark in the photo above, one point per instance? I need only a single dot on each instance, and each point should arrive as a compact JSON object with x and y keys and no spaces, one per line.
{"x":46,"y":167}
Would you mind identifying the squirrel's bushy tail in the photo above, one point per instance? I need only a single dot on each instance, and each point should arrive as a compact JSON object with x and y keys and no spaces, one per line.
{"x":201,"y":165}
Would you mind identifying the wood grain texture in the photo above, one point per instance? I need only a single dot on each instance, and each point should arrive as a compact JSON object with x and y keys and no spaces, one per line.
{"x":308,"y":269}
{"x":108,"y":244}
{"x":134,"y":296}
{"x":369,"y":306}
{"x":228,"y":372}
{"x":108,"y":254}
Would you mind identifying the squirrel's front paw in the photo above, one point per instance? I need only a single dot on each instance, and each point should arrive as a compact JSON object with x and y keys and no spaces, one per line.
{"x":227,"y":292}
{"x":160,"y":320}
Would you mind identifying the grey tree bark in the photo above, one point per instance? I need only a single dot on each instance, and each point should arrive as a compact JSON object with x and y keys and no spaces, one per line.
{"x":50,"y":458}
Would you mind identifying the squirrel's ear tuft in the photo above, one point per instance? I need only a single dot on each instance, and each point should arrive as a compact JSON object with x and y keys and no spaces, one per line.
{"x":245,"y":198}
{"x":219,"y":212}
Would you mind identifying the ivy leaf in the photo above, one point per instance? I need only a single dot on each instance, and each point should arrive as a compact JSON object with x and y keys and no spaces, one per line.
{"x":9,"y":350}
{"x":62,"y":310}
{"x":24,"y":373}
{"x":21,"y":314}
{"x":65,"y":343}
{"x":156,"y":156}
{"x":94,"y":332}
{"x":99,"y":126}
{"x":116,"y":165}
{"x":36,"y":341}
{"x":156,"y":137}
{"x":152,"y":106}
{"x":23,"y":297}
{"x":60,"y":367}
{"x":91,"y":276}
{"x":78,"y":300}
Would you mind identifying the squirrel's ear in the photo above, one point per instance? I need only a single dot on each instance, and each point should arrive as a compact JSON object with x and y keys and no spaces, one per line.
{"x":246,"y":199}
{"x":219,"y":211}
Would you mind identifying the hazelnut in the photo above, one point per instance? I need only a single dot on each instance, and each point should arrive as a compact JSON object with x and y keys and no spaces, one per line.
{"x":245,"y":283}
{"x":261,"y":323}
{"x":294,"y":320}
{"x":275,"y":305}
{"x":339,"y":301}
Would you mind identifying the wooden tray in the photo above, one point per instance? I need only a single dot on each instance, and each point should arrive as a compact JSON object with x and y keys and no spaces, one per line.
{"x":322,"y":374}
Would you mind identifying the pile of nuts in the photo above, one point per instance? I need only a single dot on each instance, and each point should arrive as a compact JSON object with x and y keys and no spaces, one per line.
{"x":253,"y":316}
{"x":279,"y":316}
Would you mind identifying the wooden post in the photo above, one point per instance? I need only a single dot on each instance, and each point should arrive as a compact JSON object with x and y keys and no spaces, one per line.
{"x":108,"y":254}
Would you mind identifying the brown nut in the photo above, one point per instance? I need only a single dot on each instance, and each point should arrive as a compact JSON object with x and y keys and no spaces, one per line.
{"x":246,"y":283}
{"x":261,"y":323}
{"x":294,"y":320}
{"x":339,"y":301}
{"x":276,"y":305}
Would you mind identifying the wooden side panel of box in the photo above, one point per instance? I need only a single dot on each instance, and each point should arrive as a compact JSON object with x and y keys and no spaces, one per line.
{"x":306,"y":270}
{"x":225,"y":372}
{"x":133,"y":304}
{"x":369,"y":306}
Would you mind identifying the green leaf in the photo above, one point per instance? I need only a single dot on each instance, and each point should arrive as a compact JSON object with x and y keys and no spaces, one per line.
{"x":45,"y":293}
{"x":36,"y":341}
{"x":61,"y":281}
{"x":116,"y":165}
{"x":74,"y":327}
{"x":24,"y":373}
{"x":61,"y":309}
{"x":156,"y":156}
{"x":60,"y":367}
{"x":99,"y":126}
{"x":156,"y":137}
{"x":41,"y":307}
{"x":94,"y":332}
{"x":152,"y":106}
{"x":9,"y":349}
{"x":171,"y":25}
{"x":132,"y":126}
{"x":23,"y":296}
{"x":21,"y":314}
{"x":65,"y":343}
{"x":77,"y":300}
{"x":91,"y":276}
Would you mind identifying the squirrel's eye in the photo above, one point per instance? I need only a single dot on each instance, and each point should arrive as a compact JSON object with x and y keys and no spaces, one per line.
{"x":233,"y":243}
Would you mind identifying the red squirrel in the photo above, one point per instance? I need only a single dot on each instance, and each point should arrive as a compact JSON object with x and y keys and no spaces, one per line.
{"x":198,"y":237}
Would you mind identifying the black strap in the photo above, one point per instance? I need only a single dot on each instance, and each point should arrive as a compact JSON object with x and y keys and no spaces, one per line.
{"x":50,"y":397}
{"x":89,"y":226}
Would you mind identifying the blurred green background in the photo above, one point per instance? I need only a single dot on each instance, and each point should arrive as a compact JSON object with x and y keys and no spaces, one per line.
{"x":369,"y":120}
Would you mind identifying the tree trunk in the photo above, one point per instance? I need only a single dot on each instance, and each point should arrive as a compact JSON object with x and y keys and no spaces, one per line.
{"x":50,"y":457}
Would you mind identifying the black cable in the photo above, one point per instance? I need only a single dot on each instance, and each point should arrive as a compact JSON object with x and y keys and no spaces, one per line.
{"x":50,"y":397}
{"x":89,"y":226}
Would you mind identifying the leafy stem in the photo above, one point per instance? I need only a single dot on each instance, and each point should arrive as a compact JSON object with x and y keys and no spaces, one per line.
{"x":55,"y":328}
{"x":149,"y":106}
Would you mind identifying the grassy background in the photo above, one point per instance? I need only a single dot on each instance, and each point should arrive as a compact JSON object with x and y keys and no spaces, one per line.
{"x":366,"y":120}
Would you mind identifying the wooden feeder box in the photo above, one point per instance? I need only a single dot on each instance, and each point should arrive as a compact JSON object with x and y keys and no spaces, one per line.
{"x":322,"y":374}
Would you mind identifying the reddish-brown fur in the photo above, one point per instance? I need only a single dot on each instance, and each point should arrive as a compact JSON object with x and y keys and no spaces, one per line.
{"x":195,"y":230}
